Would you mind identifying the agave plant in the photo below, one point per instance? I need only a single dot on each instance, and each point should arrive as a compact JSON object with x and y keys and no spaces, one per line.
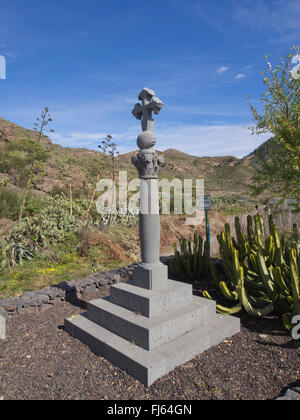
{"x":53,"y":225}
{"x":13,"y":253}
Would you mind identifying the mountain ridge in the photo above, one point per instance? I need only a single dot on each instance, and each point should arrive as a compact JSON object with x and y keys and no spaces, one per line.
{"x":222,"y":174}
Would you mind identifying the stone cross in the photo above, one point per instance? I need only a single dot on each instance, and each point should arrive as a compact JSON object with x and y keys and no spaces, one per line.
{"x":151,"y":274}
{"x":151,"y":324}
{"x":150,"y":103}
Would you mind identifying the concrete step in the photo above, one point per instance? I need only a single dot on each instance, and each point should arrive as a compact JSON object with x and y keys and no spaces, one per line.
{"x":147,"y":366}
{"x":150,"y":333}
{"x":151,"y":303}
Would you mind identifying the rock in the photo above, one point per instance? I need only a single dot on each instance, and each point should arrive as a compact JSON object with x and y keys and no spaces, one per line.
{"x":42,"y":298}
{"x":43,"y":291}
{"x":129,"y":275}
{"x":28,"y":295}
{"x":53,"y":292}
{"x":83,"y":283}
{"x":90,"y":290}
{"x":71,"y":283}
{"x":10,"y":305}
{"x":116,"y":278}
{"x":57,"y":292}
{"x":100,"y":280}
{"x":33,"y":299}
{"x":67,"y":286}
{"x":3,"y":312}
{"x":290,"y":395}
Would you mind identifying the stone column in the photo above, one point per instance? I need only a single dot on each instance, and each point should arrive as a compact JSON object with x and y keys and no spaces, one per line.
{"x":151,"y":273}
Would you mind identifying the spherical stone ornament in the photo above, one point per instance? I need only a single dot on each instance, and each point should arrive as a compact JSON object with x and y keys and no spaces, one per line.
{"x":146,"y":140}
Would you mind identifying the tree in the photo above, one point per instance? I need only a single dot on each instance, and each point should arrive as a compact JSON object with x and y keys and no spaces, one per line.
{"x":92,"y":198}
{"x":66,"y":163}
{"x":108,"y":148}
{"x":36,"y":152}
{"x":279,"y":169}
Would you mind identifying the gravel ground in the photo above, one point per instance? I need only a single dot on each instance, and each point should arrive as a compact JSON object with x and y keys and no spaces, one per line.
{"x":39,"y":360}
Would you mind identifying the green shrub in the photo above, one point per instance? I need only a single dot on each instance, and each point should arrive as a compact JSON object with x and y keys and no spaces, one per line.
{"x":262,"y":273}
{"x":57,"y":190}
{"x":49,"y":225}
{"x":10,"y":203}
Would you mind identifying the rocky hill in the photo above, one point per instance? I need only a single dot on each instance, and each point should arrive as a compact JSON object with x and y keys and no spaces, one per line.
{"x":225,"y":175}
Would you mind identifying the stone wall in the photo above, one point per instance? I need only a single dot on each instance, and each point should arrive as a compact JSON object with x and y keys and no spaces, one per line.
{"x":66,"y":290}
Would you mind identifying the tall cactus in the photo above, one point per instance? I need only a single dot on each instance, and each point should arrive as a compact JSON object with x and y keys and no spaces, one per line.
{"x":255,"y":306}
{"x":191,"y":261}
{"x":262,"y":273}
{"x":295,"y":276}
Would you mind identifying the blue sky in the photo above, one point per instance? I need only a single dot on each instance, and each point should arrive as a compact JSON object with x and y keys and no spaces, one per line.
{"x":87,"y":61}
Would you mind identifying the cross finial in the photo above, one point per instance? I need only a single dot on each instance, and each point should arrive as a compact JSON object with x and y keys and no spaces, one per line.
{"x":150,"y":103}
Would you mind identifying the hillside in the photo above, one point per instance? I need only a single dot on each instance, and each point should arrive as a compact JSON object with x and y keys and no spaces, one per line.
{"x":51,"y":237}
{"x":264,"y":150}
{"x":225,"y":175}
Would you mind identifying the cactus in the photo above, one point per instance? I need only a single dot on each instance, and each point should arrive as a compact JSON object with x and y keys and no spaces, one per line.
{"x":295,"y":233}
{"x":222,"y":309}
{"x":192,"y":260}
{"x":259,"y":306}
{"x":295,"y":276}
{"x":265,"y":274}
{"x":244,"y":300}
{"x":262,"y":273}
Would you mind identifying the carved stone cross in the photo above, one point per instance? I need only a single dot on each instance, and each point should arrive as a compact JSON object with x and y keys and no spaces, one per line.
{"x":146,"y":161}
{"x":150,"y":103}
{"x":150,"y":274}
{"x":151,"y":324}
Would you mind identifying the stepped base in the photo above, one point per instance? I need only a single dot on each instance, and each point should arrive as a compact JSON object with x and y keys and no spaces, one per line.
{"x":148,"y":332}
{"x":151,"y":303}
{"x":152,"y":332}
{"x":145,"y":365}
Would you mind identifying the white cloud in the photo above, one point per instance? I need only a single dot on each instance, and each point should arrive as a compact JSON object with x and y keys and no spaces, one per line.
{"x":280,"y":16}
{"x":198,"y":140}
{"x":216,"y":110}
{"x":79,"y":139}
{"x":9,"y":55}
{"x":90,"y":140}
{"x":210,"y":140}
{"x":222,"y":69}
{"x":240,"y":76}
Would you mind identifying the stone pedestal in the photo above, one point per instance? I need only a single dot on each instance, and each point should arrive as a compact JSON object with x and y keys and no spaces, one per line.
{"x":151,"y":276}
{"x":147,"y":332}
